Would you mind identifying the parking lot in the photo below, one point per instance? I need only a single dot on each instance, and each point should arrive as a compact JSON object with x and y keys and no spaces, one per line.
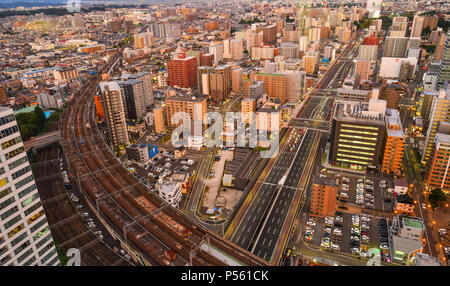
{"x":359,"y":235}
{"x":366,"y":193}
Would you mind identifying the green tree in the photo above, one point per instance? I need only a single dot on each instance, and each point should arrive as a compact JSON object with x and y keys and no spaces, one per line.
{"x":426,"y":31}
{"x":40,"y":117}
{"x":437,"y":197}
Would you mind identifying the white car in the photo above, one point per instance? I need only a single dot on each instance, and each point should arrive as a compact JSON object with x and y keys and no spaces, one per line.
{"x":336,"y":247}
{"x":337,"y":231}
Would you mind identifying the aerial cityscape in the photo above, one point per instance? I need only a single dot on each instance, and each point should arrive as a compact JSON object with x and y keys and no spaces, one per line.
{"x":224,"y":133}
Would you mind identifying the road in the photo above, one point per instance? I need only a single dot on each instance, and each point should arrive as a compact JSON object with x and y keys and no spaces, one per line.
{"x":269,"y":211}
{"x":418,"y":191}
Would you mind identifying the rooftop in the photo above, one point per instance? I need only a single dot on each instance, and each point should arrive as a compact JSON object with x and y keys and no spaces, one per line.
{"x":357,"y":112}
{"x":193,"y":97}
{"x":412,"y":222}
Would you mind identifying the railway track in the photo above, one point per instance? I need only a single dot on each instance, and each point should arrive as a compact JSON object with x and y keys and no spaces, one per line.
{"x":67,"y":227}
{"x":162,"y":234}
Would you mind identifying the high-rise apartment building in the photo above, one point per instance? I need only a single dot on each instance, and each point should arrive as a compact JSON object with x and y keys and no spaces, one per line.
{"x":323,"y":197}
{"x":144,"y":40}
{"x":114,"y":112}
{"x":220,"y":83}
{"x":237,"y":49}
{"x":236,"y":79}
{"x":368,"y":52}
{"x":2,"y":93}
{"x":133,"y":99}
{"x":194,"y":105}
{"x":25,"y":237}
{"x":440,"y":112}
{"x":248,"y":106}
{"x":182,"y":72}
{"x":99,"y":107}
{"x":270,"y":34}
{"x":400,"y":23}
{"x":146,"y":79}
{"x":444,"y":69}
{"x":395,"y":47}
{"x":417,"y":26}
{"x":395,"y":144}
{"x":437,"y":174}
{"x":217,"y":50}
{"x":362,"y":69}
{"x":310,"y":63}
{"x":392,"y":94}
{"x":275,"y":85}
{"x":158,"y":119}
{"x":440,"y":46}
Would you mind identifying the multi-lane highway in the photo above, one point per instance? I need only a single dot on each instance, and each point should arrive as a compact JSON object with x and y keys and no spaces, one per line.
{"x":268,"y":213}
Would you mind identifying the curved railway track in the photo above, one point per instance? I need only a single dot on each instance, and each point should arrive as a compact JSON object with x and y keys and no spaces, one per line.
{"x":141,"y":218}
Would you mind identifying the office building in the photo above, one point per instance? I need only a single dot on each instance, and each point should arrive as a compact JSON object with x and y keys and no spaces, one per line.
{"x":323,"y":197}
{"x":25,"y":236}
{"x":358,"y":129}
{"x":114,"y":112}
{"x":395,"y":144}
{"x":437,"y":174}
{"x":182,"y":72}
{"x":358,"y":95}
{"x":405,"y":236}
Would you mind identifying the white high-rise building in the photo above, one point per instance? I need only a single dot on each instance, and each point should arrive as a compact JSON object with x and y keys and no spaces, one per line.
{"x":25,"y":237}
